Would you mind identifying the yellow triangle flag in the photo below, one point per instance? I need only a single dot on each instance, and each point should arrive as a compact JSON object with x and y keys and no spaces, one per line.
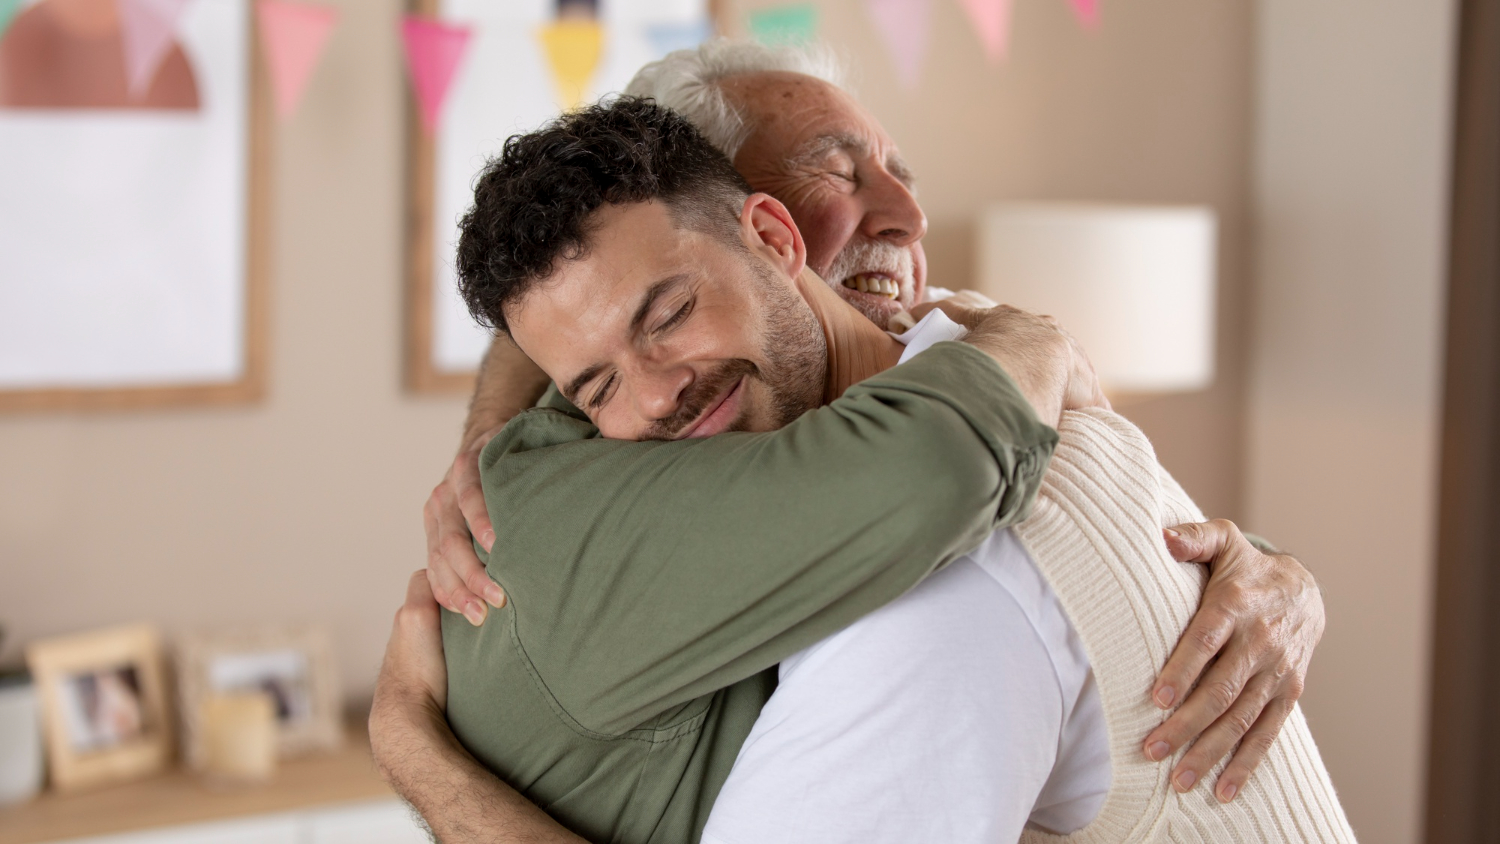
{"x":573,"y":48}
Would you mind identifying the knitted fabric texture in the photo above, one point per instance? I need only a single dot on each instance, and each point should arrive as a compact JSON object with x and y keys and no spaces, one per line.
{"x":1096,"y":534}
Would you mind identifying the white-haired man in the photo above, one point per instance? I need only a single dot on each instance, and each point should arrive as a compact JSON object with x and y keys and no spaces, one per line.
{"x":805,"y":141}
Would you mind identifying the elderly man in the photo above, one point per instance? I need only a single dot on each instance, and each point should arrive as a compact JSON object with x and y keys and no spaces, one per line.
{"x":844,"y":180}
{"x":610,"y":247}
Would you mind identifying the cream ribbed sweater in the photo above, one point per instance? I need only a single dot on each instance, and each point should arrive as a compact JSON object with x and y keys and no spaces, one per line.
{"x":1096,"y":535}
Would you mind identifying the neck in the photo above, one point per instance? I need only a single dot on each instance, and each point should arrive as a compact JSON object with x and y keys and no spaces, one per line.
{"x":857,"y":348}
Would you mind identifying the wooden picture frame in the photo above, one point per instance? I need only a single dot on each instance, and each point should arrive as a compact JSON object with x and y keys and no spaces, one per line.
{"x":293,"y":664}
{"x":422,"y":374}
{"x":105,"y":711}
{"x":249,"y":383}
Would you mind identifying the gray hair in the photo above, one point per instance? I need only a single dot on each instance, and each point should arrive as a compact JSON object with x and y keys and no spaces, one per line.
{"x":686,"y":81}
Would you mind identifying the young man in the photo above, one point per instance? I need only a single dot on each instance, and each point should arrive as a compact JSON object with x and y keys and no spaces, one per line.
{"x":630,"y":261}
{"x":795,"y":133}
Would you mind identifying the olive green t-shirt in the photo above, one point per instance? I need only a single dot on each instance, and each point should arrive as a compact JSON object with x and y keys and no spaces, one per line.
{"x":654,"y":586}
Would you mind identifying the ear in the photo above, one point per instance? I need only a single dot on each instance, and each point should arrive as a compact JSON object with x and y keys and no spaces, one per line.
{"x":768,"y":230}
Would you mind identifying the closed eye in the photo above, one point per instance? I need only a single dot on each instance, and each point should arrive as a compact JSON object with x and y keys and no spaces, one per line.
{"x":677,"y":318}
{"x":601,"y":395}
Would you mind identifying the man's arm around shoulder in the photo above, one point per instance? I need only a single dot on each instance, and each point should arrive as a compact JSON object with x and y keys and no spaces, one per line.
{"x":419,"y":756}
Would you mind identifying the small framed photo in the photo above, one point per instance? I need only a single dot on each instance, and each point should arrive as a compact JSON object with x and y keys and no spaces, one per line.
{"x":292,"y":665}
{"x":105,"y":708}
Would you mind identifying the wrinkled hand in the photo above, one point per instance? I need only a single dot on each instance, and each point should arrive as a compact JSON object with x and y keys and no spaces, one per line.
{"x":412,"y":689}
{"x":1247,"y":650}
{"x":454,"y":515}
{"x":1045,"y":361}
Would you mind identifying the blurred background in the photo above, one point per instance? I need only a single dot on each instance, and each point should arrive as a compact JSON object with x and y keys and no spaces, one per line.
{"x":1324,"y":135}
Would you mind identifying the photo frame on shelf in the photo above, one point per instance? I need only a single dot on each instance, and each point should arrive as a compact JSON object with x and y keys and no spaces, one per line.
{"x":292,"y":665}
{"x":136,"y":262}
{"x":507,"y":83}
{"x":106,"y":715}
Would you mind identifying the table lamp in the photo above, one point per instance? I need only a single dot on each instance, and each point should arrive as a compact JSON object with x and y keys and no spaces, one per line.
{"x":1134,"y":284}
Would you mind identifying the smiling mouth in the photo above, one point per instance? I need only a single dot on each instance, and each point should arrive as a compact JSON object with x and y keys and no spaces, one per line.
{"x":875,"y":284}
{"x":718,"y":417}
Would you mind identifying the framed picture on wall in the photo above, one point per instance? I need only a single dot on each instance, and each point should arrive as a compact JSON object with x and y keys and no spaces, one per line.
{"x":133,"y":244}
{"x":292,"y":665}
{"x":526,"y":60}
{"x":104,"y":705}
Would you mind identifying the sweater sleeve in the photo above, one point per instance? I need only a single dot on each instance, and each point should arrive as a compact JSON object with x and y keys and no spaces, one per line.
{"x":646,"y":574}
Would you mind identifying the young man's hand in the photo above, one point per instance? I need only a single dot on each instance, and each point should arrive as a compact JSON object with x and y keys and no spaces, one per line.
{"x":1241,"y":663}
{"x":1046,"y":362}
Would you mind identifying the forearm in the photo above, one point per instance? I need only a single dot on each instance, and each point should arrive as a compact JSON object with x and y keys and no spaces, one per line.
{"x":461,"y":801}
{"x":508,"y":383}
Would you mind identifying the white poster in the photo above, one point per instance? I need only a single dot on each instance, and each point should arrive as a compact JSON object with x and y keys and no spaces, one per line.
{"x":122,"y":206}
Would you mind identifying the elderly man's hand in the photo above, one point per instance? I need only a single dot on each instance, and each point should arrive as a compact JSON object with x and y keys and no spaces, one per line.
{"x":454,"y":515}
{"x":1247,"y":650}
{"x":412,"y":689}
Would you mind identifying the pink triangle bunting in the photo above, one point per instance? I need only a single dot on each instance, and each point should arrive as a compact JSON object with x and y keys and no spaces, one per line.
{"x":148,"y":27}
{"x":292,"y":36}
{"x":433,"y":52}
{"x":991,"y":20}
{"x":1087,"y":12}
{"x":904,"y":26}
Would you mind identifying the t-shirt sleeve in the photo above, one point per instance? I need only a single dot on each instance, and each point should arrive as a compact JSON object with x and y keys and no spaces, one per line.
{"x":644,"y":575}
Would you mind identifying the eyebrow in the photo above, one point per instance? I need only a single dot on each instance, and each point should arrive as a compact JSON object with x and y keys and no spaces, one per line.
{"x":820,"y":146}
{"x":636,"y":321}
{"x":810,"y":152}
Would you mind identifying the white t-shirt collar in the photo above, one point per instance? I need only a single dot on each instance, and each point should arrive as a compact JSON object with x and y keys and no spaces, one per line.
{"x":933,"y":328}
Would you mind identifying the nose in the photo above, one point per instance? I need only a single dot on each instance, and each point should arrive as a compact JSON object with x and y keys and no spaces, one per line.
{"x":658,"y":389}
{"x":891,"y":211}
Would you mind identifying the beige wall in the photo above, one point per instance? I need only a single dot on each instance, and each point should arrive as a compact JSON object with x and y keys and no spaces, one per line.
{"x":1351,"y":182}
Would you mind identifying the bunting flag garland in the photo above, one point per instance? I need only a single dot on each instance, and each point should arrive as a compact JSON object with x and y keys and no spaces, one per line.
{"x":292,"y":36}
{"x":1087,"y":12}
{"x":433,"y":52}
{"x":573,"y":47}
{"x":991,"y":20}
{"x":785,"y":24}
{"x":904,"y":26}
{"x":8,"y":9}
{"x":670,"y":37}
{"x":148,"y":28}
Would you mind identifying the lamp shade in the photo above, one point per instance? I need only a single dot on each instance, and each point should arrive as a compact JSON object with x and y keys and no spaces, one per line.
{"x":1134,"y":284}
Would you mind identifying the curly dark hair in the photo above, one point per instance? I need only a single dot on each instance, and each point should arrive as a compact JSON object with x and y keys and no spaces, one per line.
{"x":533,"y":202}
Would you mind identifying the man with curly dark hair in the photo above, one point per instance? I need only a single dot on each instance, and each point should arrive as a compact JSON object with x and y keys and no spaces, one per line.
{"x":616,"y":690}
{"x":620,"y":251}
{"x":791,"y":128}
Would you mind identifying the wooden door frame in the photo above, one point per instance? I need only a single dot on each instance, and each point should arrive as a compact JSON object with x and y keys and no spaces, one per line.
{"x":1463,"y":777}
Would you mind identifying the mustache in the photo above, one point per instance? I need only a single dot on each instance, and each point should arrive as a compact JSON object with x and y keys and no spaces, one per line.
{"x":700,"y":395}
{"x":870,"y":254}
